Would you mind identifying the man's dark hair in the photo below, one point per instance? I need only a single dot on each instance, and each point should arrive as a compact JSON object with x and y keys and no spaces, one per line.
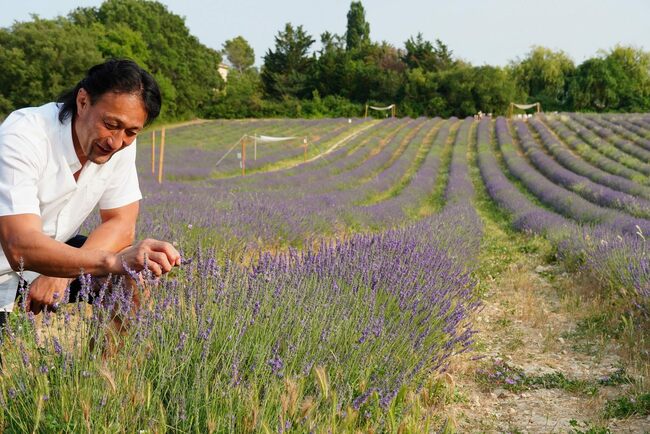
{"x":119,"y":76}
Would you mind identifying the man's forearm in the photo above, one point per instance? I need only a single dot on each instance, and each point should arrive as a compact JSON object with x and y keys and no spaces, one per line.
{"x":38,"y":252}
{"x":112,"y":236}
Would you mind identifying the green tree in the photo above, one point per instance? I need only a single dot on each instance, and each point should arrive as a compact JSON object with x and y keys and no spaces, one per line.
{"x":618,"y":80}
{"x":493,"y":89}
{"x":358,"y":29}
{"x":189,"y":68}
{"x":421,"y":94}
{"x":42,"y":58}
{"x":239,"y":53}
{"x":592,"y":87}
{"x":375,"y":74}
{"x":241,"y":97}
{"x":421,"y":53}
{"x":630,"y":70}
{"x":122,"y":42}
{"x":287,"y":70}
{"x":332,"y":66}
{"x":544,"y":75}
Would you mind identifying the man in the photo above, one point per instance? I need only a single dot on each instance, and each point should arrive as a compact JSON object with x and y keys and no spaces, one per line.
{"x":57,"y":162}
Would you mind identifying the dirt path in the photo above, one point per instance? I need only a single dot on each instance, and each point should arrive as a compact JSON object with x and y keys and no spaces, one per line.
{"x":538,"y":372}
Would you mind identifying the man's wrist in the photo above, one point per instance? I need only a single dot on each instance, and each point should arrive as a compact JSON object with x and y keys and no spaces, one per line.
{"x":112,"y":264}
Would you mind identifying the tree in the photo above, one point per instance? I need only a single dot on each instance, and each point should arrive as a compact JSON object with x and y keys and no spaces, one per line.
{"x":422,"y":54}
{"x":630,"y":71}
{"x":493,"y":89}
{"x":41,"y":59}
{"x":358,"y":29}
{"x":544,"y":75}
{"x":592,"y":88}
{"x":617,"y":80}
{"x":187,"y":68}
{"x":287,"y":70}
{"x":241,"y":97}
{"x":239,"y":53}
{"x":332,"y":66}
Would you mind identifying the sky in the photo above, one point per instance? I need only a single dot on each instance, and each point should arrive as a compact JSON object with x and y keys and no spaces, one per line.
{"x":492,"y":32}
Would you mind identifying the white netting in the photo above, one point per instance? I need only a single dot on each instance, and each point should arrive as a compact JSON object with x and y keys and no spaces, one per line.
{"x":389,"y":107}
{"x":271,"y":139}
{"x":525,"y":106}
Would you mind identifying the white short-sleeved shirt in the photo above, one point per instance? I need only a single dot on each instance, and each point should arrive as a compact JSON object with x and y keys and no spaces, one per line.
{"x":37,"y":166}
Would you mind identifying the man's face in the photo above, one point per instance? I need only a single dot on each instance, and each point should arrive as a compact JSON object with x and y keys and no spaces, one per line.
{"x":103,"y":127}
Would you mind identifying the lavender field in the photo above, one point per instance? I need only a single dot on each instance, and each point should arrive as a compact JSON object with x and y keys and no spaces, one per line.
{"x":332,"y":291}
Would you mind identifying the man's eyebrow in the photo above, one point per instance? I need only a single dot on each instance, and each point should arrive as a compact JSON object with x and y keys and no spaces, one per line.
{"x":120,"y":122}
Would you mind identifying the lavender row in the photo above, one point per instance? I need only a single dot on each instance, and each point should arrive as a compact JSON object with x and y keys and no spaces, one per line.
{"x":591,"y":155}
{"x":526,"y":215}
{"x":397,"y":209}
{"x":263,"y":154}
{"x":626,"y":129}
{"x":577,"y":165}
{"x":211,"y":140}
{"x":404,"y":159}
{"x":615,"y":259}
{"x":558,"y":198}
{"x":459,"y":186}
{"x":607,"y":149}
{"x":316,"y":141}
{"x":596,"y":193}
{"x":288,"y":215}
{"x":343,"y":159}
{"x":610,"y":136}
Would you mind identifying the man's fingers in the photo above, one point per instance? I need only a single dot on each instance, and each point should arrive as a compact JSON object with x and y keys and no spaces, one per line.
{"x":34,"y":307}
{"x":160,"y":259}
{"x":173,"y":257}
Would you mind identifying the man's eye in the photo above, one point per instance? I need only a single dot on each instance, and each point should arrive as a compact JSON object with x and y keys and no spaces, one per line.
{"x":110,"y":126}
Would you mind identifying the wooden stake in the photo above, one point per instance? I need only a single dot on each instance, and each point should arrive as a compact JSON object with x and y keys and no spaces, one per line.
{"x":243,"y":157}
{"x":304,"y":145}
{"x":153,"y":152}
{"x":366,"y":115}
{"x":162,"y":155}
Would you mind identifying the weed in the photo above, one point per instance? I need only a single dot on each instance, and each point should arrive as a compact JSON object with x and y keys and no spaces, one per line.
{"x":628,"y":406}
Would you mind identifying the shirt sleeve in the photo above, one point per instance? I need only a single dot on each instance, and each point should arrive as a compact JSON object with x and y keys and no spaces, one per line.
{"x":123,"y":187}
{"x":20,"y":166}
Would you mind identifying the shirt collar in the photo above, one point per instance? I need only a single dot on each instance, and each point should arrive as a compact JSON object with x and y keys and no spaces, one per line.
{"x":65,"y":130}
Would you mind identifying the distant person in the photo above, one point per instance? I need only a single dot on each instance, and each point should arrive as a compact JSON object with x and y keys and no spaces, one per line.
{"x":57,"y":163}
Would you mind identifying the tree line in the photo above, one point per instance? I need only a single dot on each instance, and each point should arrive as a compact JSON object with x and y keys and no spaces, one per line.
{"x":41,"y":58}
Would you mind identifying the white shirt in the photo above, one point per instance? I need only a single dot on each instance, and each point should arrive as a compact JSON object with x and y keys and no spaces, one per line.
{"x":37,"y":166}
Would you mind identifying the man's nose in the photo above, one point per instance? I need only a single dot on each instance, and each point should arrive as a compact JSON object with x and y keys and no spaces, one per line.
{"x":116,"y":140}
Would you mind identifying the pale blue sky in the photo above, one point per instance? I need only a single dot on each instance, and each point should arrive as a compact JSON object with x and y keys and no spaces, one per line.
{"x":482,"y":32}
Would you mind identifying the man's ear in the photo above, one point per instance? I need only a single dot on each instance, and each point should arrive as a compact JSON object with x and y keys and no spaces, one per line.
{"x":83,"y":100}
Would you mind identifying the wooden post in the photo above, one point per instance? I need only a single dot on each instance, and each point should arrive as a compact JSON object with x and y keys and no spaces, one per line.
{"x":304,"y":145}
{"x":243,"y":157}
{"x":162,"y":156}
{"x":366,"y":115}
{"x":255,"y":142}
{"x":153,"y":152}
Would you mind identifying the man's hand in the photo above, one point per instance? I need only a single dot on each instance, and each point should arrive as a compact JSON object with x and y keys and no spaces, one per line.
{"x":44,"y":292}
{"x":160,"y":257}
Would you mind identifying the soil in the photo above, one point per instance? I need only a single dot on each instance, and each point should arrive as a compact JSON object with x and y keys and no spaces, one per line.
{"x":528,"y":322}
